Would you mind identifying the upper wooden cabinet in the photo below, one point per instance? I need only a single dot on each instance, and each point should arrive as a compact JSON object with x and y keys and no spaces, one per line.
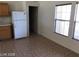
{"x":4,"y":9}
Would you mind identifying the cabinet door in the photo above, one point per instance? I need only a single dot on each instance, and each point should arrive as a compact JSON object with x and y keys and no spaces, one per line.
{"x":4,"y":9}
{"x":1,"y":9}
{"x":5,"y":32}
{"x":4,"y":35}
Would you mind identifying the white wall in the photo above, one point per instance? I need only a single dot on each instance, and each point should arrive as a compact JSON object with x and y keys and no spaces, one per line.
{"x":46,"y":22}
{"x":19,"y":5}
{"x":14,"y":5}
{"x":46,"y":26}
{"x":29,"y":3}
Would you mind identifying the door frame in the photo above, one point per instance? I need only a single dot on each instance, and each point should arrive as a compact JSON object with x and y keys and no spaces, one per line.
{"x":29,"y":19}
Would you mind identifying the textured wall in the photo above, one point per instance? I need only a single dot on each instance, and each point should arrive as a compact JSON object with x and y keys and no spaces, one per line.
{"x":46,"y":26}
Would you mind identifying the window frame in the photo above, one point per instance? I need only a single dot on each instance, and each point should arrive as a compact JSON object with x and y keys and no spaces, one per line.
{"x":75,"y":21}
{"x":72,"y":24}
{"x":62,"y":19}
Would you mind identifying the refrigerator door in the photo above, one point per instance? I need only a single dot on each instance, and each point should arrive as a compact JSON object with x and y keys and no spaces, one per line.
{"x":20,"y":29}
{"x":18,"y":16}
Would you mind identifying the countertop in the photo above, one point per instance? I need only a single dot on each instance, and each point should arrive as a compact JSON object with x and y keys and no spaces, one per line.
{"x":5,"y":24}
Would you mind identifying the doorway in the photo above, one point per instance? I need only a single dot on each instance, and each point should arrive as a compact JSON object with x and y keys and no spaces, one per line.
{"x":33,"y":18}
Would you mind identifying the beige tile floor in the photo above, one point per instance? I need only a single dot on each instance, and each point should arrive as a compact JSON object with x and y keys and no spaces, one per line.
{"x":34,"y":46}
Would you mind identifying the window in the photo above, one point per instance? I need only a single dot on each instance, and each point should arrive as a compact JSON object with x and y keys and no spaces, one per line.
{"x":76,"y":32}
{"x":62,"y":19}
{"x":65,"y":22}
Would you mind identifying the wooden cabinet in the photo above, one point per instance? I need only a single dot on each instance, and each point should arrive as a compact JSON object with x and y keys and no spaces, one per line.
{"x":5,"y":32}
{"x":4,"y":9}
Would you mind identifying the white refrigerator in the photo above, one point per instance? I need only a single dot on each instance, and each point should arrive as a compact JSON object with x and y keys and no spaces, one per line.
{"x":19,"y":24}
